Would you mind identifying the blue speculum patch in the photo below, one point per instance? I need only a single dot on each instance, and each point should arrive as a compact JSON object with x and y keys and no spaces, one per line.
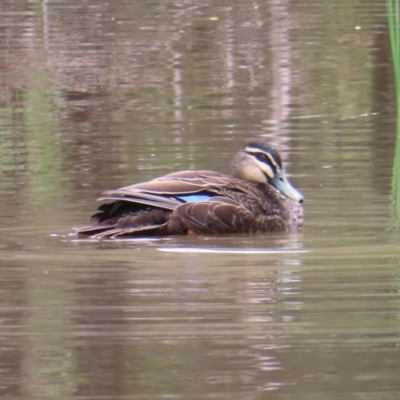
{"x":194,"y":198}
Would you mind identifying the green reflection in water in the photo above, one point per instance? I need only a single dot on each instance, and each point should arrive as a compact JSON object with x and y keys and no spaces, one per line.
{"x":394,"y":29}
{"x":44,"y":159}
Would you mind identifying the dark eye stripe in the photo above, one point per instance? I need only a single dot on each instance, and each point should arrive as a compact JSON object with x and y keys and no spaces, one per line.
{"x":265,"y":158}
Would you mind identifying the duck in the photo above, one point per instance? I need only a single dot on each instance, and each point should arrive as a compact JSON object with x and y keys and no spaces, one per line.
{"x":255,"y":197}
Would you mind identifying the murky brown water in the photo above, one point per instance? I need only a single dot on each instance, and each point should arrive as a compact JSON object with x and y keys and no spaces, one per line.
{"x":97,"y":95}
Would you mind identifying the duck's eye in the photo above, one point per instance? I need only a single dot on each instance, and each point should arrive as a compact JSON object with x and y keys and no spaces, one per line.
{"x":262,"y":157}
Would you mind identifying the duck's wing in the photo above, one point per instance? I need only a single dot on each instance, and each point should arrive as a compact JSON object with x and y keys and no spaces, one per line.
{"x":164,"y":193}
{"x":171,"y":190}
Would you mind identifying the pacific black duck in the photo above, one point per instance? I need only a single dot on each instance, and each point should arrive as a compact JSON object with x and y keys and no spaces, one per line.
{"x":256,"y":197}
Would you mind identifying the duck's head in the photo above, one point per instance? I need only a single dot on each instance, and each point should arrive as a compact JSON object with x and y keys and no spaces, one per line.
{"x":259,"y":162}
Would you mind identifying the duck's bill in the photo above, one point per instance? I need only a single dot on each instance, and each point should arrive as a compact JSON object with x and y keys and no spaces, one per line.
{"x":285,"y":187}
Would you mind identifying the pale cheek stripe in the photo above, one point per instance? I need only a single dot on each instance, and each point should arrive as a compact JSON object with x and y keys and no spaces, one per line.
{"x":273,"y":162}
{"x":265,"y":168}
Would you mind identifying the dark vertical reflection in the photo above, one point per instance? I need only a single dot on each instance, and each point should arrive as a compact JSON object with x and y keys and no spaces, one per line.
{"x":101,"y":324}
{"x":13,"y":304}
{"x":384,"y":123}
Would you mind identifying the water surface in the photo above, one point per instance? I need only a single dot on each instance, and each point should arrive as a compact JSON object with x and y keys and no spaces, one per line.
{"x":98,"y":95}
